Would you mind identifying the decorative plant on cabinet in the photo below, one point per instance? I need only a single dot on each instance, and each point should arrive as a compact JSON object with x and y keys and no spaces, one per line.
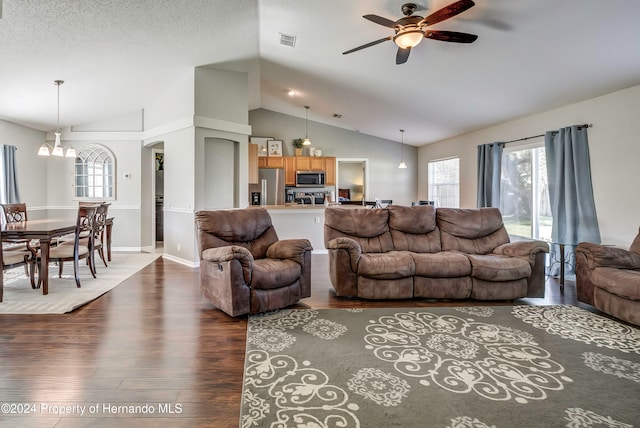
{"x":297,"y":144}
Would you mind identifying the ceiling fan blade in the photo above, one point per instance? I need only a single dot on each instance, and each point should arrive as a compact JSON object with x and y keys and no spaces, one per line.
{"x":367,"y":45}
{"x":451,"y":36}
{"x":447,"y":12}
{"x":380,"y":20}
{"x":403,"y":55}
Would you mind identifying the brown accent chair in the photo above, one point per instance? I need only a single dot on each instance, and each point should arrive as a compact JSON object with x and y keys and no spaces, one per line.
{"x":244,"y":268}
{"x":609,"y":279}
{"x":403,"y":252}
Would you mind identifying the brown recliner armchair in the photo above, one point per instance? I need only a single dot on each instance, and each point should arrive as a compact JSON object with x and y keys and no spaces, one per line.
{"x":244,"y":268}
{"x":609,"y":279}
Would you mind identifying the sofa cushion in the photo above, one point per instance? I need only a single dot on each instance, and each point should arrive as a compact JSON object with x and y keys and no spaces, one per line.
{"x":499,"y":268}
{"x":368,"y":227}
{"x":391,"y":265}
{"x":498,"y":290}
{"x":471,"y":231}
{"x":248,"y":228}
{"x":624,"y":283}
{"x":442,"y":288}
{"x":414,"y":228}
{"x":625,"y":309}
{"x":446,"y":264}
{"x":370,"y":288}
{"x":268,"y":274}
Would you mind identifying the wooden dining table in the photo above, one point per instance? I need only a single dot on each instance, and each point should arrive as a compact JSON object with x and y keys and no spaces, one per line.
{"x":46,"y":230}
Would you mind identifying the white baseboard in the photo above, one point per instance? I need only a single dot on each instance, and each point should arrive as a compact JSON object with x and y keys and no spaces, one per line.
{"x":185,"y":262}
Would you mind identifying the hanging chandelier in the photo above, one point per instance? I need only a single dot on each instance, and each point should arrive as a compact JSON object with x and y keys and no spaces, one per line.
{"x":307,"y":141}
{"x":57,"y":150}
{"x":402,"y":164}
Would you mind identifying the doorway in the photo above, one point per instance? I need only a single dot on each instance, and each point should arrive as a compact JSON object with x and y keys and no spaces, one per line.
{"x":157,"y":157}
{"x":353,"y":179}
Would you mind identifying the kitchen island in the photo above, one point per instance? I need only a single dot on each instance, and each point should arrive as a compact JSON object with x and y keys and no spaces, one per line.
{"x":293,"y":221}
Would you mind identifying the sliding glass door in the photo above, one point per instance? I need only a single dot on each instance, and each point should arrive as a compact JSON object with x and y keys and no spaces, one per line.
{"x":524,"y":197}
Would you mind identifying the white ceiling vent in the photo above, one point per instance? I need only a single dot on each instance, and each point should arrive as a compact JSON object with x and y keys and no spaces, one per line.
{"x":288,"y":40}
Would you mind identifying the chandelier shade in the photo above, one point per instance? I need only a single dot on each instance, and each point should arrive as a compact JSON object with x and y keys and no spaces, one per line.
{"x":57,"y":150}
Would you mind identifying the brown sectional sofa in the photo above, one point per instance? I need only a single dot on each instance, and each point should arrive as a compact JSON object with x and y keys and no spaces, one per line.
{"x":404,"y":252}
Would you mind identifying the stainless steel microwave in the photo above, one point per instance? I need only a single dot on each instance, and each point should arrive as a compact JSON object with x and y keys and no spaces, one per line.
{"x":310,"y":179}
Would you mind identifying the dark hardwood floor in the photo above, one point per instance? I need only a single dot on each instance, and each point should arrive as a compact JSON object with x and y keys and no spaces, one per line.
{"x":152,"y":342}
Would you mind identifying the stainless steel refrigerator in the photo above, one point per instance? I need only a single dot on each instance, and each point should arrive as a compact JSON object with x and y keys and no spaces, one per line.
{"x":270,"y":186}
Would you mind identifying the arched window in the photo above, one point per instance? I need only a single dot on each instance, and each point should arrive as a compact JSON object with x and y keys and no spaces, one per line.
{"x":94,"y":173}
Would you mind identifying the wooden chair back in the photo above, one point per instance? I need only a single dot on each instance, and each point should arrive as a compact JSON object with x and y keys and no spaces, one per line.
{"x":14,"y":213}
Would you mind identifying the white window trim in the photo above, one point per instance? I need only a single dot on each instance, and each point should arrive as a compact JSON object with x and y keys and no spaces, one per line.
{"x":109,"y":153}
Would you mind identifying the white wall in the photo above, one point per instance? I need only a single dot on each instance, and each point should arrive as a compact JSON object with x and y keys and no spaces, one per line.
{"x":179,"y":193}
{"x":174,"y":103}
{"x":386,"y":181}
{"x":614,"y":144}
{"x":221,"y":94}
{"x":125,"y":207}
{"x":221,"y":176}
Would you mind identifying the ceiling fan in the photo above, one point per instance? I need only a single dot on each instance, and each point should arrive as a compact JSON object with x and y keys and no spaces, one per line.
{"x":411,"y":29}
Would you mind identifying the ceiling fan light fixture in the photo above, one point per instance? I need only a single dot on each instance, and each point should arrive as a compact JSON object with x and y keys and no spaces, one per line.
{"x":408,"y":38}
{"x":411,"y":29}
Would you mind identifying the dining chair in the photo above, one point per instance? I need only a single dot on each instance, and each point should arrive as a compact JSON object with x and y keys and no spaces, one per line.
{"x":16,"y":213}
{"x":11,"y":259}
{"x":76,"y":250}
{"x":99,"y":231}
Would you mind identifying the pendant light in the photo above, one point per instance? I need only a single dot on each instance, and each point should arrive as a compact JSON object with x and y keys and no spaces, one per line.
{"x":307,"y":141}
{"x":57,"y":150}
{"x":402,"y":164}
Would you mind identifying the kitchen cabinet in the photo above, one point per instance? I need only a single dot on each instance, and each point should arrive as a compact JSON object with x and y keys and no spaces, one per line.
{"x":330,"y":170}
{"x":271,"y":162}
{"x":291,"y":164}
{"x":290,"y":170}
{"x":253,"y":163}
{"x":308,"y":163}
{"x":317,"y":164}
{"x":303,"y":163}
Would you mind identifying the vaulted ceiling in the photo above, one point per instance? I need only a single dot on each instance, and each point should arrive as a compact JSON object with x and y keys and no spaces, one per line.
{"x":116,"y":55}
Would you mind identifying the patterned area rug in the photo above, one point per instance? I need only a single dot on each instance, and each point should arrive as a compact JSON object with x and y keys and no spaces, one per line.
{"x":502,"y":366}
{"x":64,"y":296}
